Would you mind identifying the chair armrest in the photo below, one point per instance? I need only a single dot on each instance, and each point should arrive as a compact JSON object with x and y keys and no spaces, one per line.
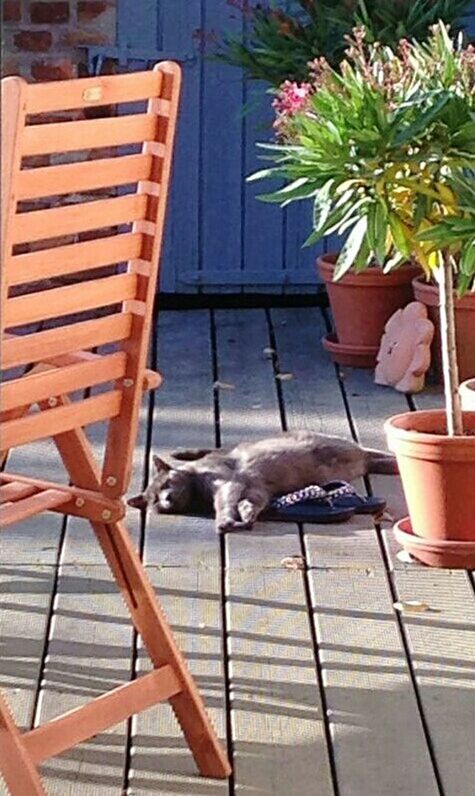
{"x":152,"y":380}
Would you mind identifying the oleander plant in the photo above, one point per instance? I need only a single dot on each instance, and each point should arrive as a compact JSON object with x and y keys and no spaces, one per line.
{"x":384,"y":147}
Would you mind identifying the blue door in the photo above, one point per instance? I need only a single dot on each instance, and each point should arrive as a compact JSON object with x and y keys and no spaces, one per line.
{"x":220,"y":239}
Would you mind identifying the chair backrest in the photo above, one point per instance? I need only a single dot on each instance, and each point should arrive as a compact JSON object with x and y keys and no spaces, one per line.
{"x":85,"y":173}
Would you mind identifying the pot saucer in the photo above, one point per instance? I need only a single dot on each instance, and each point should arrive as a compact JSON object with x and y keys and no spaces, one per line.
{"x":353,"y":356}
{"x":435,"y":552}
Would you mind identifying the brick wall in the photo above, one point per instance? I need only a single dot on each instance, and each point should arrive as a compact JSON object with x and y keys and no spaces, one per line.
{"x":42,"y":38}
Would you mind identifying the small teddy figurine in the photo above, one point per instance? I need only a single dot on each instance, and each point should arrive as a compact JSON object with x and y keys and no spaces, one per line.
{"x":404,"y":354}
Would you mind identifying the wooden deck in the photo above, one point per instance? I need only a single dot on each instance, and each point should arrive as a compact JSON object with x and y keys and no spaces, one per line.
{"x":315,"y":682}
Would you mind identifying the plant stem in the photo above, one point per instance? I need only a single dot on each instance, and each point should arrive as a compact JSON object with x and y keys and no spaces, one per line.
{"x":449,"y":351}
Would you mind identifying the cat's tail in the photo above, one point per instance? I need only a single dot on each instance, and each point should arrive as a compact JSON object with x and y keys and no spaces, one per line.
{"x":381,"y":463}
{"x":190,"y":454}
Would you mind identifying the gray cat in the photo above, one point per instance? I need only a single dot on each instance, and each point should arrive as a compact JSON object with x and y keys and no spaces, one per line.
{"x":239,"y":483}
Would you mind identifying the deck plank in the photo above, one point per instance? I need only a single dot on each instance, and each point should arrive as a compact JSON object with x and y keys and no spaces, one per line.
{"x":182,"y":556}
{"x":378,"y":740}
{"x":278,"y":731}
{"x":442,"y":706}
{"x":277,"y":719}
{"x":27,"y":579}
{"x":352,"y":603}
{"x":442,"y":645}
{"x":89,"y":651}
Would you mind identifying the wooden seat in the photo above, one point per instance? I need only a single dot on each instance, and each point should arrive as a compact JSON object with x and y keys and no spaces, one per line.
{"x":83,"y":209}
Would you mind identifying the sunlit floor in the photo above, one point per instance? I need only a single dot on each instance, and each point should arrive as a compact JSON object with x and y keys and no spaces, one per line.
{"x":315,"y":682}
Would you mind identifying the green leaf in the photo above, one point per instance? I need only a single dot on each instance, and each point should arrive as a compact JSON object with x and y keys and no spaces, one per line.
{"x":322,"y":206}
{"x":351,"y":248}
{"x":301,"y":188}
{"x":262,"y":174}
{"x":467,"y":260}
{"x":422,"y":209}
{"x":377,"y":229}
{"x":399,"y":235}
{"x":422,"y":120}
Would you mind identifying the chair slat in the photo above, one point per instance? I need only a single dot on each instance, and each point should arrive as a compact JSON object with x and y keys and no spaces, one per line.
{"x":87,"y":176}
{"x":105,"y":711}
{"x":91,"y":91}
{"x":43,"y":224}
{"x":21,"y":350}
{"x":64,"y":418}
{"x":64,"y":260}
{"x":61,"y":301}
{"x":11,"y":513}
{"x":59,"y":381}
{"x":46,"y":139}
{"x":9,"y":493}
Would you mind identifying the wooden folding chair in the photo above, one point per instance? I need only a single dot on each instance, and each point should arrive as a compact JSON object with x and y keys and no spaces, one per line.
{"x":112,"y":310}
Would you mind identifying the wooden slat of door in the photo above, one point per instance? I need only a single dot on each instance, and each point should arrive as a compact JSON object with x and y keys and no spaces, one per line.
{"x":57,"y":221}
{"x":64,"y":418}
{"x":103,"y":90}
{"x":46,"y":139}
{"x":63,"y":260}
{"x":223,"y":143}
{"x":60,"y":381}
{"x":262,"y":224}
{"x":71,"y":338}
{"x":363,"y":660}
{"x":66,"y":300}
{"x":87,"y":176}
{"x":179,"y":20}
{"x":277,"y":716}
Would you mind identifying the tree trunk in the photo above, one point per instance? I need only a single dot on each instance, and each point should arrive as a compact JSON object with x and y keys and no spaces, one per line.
{"x":449,"y":351}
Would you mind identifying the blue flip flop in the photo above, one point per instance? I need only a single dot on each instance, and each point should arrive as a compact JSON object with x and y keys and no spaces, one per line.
{"x":310,"y":505}
{"x":345,"y":496}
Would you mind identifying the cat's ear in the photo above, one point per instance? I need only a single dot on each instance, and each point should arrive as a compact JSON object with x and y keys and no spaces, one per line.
{"x":138,"y":502}
{"x":160,"y":465}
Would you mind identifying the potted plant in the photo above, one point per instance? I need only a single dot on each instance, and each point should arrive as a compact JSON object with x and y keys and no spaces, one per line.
{"x":277,"y":44}
{"x":427,"y":292}
{"x":403,"y":124}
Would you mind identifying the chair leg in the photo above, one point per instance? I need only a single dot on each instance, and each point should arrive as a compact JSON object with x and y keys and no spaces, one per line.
{"x":19,"y":772}
{"x":150,"y":622}
{"x":146,"y":613}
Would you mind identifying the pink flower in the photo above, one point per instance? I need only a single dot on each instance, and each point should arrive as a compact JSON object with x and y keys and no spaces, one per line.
{"x":291,"y":98}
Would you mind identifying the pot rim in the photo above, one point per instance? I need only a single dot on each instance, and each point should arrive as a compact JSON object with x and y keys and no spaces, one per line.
{"x":330,"y":341}
{"x":327,"y":262}
{"x":429,"y":294}
{"x":401,"y":434}
{"x":406,"y":536}
{"x":468,"y":385}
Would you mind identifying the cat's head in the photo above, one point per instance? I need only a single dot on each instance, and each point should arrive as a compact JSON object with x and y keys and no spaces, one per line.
{"x":170,"y":491}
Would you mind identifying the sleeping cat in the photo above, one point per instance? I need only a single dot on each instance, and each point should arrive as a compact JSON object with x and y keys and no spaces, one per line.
{"x":239,"y":483}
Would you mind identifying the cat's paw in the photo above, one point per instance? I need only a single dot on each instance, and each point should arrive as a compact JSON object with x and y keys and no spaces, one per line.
{"x":231,"y":524}
{"x":247,"y":511}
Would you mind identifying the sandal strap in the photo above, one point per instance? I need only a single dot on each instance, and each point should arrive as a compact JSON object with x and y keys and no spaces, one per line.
{"x":313,"y":492}
{"x":345,"y":490}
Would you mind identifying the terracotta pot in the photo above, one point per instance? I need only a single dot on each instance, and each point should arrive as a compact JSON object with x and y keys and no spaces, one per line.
{"x":467,"y":394}
{"x":363,"y":303}
{"x":438,"y":476}
{"x":465,"y":329}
